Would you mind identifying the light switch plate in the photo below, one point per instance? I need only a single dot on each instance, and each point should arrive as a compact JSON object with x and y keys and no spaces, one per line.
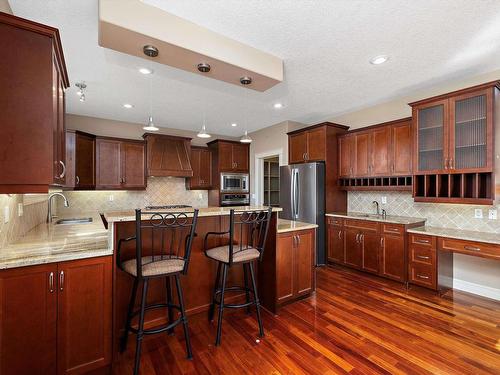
{"x":478,"y":213}
{"x":111,"y":198}
{"x":492,"y":214}
{"x":6,"y":214}
{"x":384,"y":200}
{"x":20,"y":209}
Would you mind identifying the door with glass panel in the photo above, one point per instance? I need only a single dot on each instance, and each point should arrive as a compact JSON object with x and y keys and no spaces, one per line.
{"x":431,"y":138}
{"x":471,"y":128}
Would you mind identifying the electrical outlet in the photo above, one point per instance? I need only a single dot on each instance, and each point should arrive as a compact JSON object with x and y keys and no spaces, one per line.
{"x":111,"y":198}
{"x":6,"y":214}
{"x":20,"y":209}
{"x":492,"y":214}
{"x":200,"y":195}
{"x":384,"y":200}
{"x":478,"y":213}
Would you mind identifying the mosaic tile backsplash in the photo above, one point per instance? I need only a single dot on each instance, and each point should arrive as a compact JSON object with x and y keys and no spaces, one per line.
{"x":458,"y":216}
{"x":160,"y":191}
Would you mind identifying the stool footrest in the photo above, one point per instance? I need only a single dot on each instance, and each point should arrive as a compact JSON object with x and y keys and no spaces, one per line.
{"x":160,"y":329}
{"x":234,"y":289}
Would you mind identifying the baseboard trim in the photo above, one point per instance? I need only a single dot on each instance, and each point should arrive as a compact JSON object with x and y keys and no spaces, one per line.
{"x":482,"y":290}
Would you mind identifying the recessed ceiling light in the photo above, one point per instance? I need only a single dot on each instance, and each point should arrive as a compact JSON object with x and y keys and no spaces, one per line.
{"x":145,"y":70}
{"x":234,"y":124}
{"x":377,"y":60}
{"x":128,"y":106}
{"x":278,"y":105}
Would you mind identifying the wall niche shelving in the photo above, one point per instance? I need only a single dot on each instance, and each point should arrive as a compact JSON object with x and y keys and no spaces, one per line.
{"x":400,"y":183}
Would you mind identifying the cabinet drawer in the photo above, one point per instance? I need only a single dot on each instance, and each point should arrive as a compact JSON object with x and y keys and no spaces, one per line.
{"x":422,"y":254}
{"x":423,"y":274}
{"x":362,"y":224}
{"x":335,"y":221}
{"x":422,"y":240}
{"x":470,"y":248}
{"x":394,"y":229}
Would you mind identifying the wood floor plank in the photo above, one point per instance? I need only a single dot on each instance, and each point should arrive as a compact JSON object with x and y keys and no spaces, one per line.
{"x":355,"y":324}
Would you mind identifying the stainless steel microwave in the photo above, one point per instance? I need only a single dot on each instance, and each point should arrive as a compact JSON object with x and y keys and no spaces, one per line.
{"x":234,"y":182}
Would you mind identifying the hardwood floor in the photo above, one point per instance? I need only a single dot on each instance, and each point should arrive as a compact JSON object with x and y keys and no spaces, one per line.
{"x":356,"y":323}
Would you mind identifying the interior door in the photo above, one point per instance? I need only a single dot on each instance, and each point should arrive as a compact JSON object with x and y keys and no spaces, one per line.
{"x":84,"y":315}
{"x":304,"y":260}
{"x":240,"y":158}
{"x":297,"y":147}
{"x":401,"y":163}
{"x":108,"y":164}
{"x":284,"y":267}
{"x":370,"y":244}
{"x":361,"y":154}
{"x":133,"y":156}
{"x":353,"y":253}
{"x":28,"y":303}
{"x":380,"y":151}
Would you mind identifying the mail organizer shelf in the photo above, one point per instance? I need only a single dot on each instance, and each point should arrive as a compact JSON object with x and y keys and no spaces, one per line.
{"x":376,"y":183}
{"x":466,"y":188}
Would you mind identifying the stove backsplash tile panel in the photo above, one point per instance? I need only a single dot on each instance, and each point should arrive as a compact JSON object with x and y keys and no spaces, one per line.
{"x":458,"y":216}
{"x":160,"y":191}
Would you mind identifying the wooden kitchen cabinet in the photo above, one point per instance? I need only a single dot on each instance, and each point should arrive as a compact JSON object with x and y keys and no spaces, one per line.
{"x":353,"y":252}
{"x":28,"y":320}
{"x":120,"y":164}
{"x":335,"y":240}
{"x":393,"y":257}
{"x":297,"y":147}
{"x":84,"y":161}
{"x":401,"y":148}
{"x":369,"y":241}
{"x":307,"y":145}
{"x":56,"y":318}
{"x":380,"y":151}
{"x":34,"y":141}
{"x":230,"y":156}
{"x":201,"y":162}
{"x":294,"y":265}
{"x":84,"y":315}
{"x":346,"y":155}
{"x":362,"y":155}
{"x":168,"y":155}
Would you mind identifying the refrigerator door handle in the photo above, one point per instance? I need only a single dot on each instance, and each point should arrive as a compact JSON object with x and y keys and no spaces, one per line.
{"x":292,"y":193}
{"x":296,"y":194}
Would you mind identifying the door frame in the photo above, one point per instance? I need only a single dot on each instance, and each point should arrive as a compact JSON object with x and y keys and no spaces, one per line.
{"x":259,"y":173}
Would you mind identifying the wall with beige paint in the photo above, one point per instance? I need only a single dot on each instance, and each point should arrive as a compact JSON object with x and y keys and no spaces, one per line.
{"x":5,"y":7}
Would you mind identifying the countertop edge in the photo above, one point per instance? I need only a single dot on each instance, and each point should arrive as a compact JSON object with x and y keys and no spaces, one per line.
{"x":468,"y":236}
{"x":404,"y":220}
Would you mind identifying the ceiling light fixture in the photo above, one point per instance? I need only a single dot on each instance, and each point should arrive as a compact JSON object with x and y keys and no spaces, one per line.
{"x":234,"y":124}
{"x":81,"y":90}
{"x":128,"y":106}
{"x":278,"y":105}
{"x":203,"y":132}
{"x":245,"y":138}
{"x":151,"y":52}
{"x":377,"y":60}
{"x":204,"y":67}
{"x":145,"y":70}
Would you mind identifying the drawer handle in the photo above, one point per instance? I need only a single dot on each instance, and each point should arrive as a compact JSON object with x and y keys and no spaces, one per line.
{"x":392,"y":230}
{"x":421,"y":241}
{"x":51,"y":282}
{"x":422,"y":257}
{"x":472,"y":248}
{"x":422,"y":277}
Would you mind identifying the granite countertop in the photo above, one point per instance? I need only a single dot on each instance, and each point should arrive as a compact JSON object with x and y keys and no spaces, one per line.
{"x":48,"y":243}
{"x":459,"y":234}
{"x":291,"y":226}
{"x":406,"y":220}
{"x":129,"y":215}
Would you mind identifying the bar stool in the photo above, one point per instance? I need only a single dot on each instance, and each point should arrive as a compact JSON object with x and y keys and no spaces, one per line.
{"x":247,"y":238}
{"x":163,"y":243}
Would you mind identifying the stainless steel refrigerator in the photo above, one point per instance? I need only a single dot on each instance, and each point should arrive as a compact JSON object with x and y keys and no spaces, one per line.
{"x":302,"y":198}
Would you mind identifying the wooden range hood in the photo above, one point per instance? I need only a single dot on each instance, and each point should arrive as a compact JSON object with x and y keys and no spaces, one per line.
{"x":168,"y":156}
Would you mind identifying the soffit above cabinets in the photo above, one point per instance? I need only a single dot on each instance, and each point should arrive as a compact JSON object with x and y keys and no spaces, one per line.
{"x":128,"y":25}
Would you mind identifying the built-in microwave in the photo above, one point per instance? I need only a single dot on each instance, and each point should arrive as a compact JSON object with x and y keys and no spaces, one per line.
{"x":234,"y":182}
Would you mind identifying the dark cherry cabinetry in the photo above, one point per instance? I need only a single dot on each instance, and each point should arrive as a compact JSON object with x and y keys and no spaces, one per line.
{"x":231,"y":156}
{"x":33,"y":143}
{"x":454,"y":145}
{"x":306,"y":145}
{"x":80,"y":160}
{"x":201,"y":162}
{"x":120,"y":164}
{"x":168,"y":155}
{"x":379,"y":248}
{"x":294,"y":265}
{"x":56,"y":318}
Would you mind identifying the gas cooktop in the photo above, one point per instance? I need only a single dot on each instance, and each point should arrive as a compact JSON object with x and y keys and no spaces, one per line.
{"x":168,"y":207}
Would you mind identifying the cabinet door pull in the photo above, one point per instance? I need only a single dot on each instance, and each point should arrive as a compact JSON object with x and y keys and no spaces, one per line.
{"x":382,"y":241}
{"x":340,"y":234}
{"x":451,"y":164}
{"x":61,"y":281}
{"x":51,"y":282}
{"x":422,"y":277}
{"x":362,"y":237}
{"x":472,"y":248}
{"x":77,"y":180}
{"x":422,"y":257}
{"x":392,"y":168}
{"x":446,"y":163}
{"x":421,"y":241}
{"x":357,"y":237}
{"x":298,"y":240}
{"x":63,"y":169}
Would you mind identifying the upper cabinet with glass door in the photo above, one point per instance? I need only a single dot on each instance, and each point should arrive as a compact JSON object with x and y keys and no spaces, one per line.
{"x":453,"y":133}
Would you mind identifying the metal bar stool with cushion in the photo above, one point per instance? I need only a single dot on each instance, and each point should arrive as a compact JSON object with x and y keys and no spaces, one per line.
{"x":163,"y":243}
{"x":247,"y":238}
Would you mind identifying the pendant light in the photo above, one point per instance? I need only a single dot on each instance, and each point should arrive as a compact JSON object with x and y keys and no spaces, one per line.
{"x":151,"y":52}
{"x":245,"y":138}
{"x":204,"y":68}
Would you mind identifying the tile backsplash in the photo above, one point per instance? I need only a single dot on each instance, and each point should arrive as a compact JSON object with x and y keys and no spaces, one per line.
{"x":160,"y":191}
{"x":458,"y":216}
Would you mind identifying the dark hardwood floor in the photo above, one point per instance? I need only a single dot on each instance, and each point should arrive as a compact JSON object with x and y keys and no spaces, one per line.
{"x":356,"y":323}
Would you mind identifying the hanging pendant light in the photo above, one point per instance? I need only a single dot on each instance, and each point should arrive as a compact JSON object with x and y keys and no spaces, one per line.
{"x":151,"y":52}
{"x":203,"y":132}
{"x":245,"y":138}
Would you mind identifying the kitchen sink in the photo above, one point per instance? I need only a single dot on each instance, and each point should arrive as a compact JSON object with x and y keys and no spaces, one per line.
{"x":84,"y":220}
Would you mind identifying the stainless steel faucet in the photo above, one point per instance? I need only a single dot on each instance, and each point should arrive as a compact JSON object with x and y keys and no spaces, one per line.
{"x":49,"y":211}
{"x":378,"y":207}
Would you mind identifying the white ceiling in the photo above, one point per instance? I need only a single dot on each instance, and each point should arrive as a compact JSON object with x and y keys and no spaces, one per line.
{"x":325,"y":44}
